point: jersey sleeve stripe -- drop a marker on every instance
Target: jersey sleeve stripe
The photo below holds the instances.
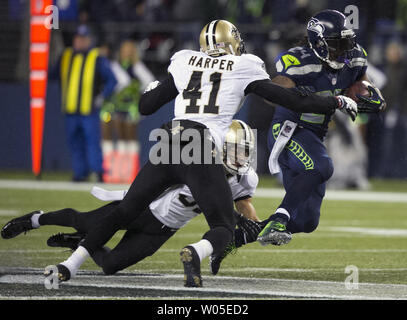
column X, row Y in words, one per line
column 304, row 70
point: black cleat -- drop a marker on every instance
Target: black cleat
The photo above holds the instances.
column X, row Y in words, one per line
column 192, row 267
column 65, row 240
column 215, row 260
column 18, row 225
column 63, row 273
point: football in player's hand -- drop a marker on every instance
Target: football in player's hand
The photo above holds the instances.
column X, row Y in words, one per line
column 358, row 88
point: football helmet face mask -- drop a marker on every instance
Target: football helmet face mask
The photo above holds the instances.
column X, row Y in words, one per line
column 238, row 148
column 220, row 37
column 330, row 38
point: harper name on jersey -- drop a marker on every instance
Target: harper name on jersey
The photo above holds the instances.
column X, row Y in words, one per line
column 212, row 63
column 211, row 89
column 301, row 65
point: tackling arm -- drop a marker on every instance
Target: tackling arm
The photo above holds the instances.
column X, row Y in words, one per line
column 246, row 208
column 154, row 99
column 291, row 98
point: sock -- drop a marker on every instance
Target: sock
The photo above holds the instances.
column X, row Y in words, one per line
column 76, row 259
column 203, row 248
column 34, row 220
column 282, row 214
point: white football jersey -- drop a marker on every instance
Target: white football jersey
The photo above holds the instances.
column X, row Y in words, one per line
column 211, row 89
column 176, row 207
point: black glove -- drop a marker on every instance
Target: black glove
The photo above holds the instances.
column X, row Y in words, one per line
column 247, row 231
column 373, row 104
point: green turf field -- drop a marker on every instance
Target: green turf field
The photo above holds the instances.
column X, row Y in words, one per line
column 369, row 234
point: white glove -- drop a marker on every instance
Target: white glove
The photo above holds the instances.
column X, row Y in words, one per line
column 347, row 106
column 152, row 85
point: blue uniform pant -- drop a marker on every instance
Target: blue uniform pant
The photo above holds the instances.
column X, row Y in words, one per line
column 305, row 166
column 83, row 134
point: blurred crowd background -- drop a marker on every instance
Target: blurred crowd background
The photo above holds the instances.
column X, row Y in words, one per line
column 158, row 28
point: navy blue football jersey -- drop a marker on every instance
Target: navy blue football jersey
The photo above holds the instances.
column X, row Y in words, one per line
column 302, row 66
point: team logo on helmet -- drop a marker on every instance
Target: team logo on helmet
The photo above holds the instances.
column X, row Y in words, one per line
column 235, row 33
column 316, row 26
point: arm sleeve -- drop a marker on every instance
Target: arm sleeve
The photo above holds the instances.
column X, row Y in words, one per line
column 292, row 99
column 153, row 100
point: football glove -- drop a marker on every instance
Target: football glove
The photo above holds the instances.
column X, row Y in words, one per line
column 373, row 104
column 347, row 106
column 247, row 231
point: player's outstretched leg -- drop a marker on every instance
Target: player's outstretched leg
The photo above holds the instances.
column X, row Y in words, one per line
column 19, row 225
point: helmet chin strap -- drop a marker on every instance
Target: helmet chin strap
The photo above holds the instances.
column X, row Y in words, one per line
column 334, row 64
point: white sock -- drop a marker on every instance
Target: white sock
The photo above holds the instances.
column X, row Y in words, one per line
column 283, row 211
column 203, row 248
column 34, row 220
column 76, row 259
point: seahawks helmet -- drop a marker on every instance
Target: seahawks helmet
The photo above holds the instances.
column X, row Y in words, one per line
column 330, row 38
column 221, row 37
column 238, row 148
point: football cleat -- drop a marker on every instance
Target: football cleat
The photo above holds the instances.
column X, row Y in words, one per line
column 274, row 233
column 65, row 240
column 18, row 225
column 63, row 273
column 192, row 267
column 215, row 260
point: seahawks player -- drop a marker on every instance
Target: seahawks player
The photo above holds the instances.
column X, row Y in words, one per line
column 329, row 62
column 208, row 87
column 164, row 216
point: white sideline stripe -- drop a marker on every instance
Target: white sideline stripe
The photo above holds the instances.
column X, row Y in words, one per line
column 241, row 250
column 5, row 297
column 8, row 212
column 76, row 282
column 57, row 185
column 339, row 195
column 370, row 231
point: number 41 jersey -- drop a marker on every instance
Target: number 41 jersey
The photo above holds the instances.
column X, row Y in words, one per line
column 211, row 89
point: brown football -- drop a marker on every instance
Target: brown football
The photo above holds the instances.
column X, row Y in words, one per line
column 360, row 88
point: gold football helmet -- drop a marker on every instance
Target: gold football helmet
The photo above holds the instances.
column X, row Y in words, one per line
column 221, row 37
column 238, row 148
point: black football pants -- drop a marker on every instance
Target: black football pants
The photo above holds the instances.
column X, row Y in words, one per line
column 208, row 185
column 144, row 236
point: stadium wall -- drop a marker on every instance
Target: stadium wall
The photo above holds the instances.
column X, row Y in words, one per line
column 15, row 129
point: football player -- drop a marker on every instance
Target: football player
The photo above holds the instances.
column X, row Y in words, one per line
column 328, row 63
column 208, row 87
column 164, row 216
